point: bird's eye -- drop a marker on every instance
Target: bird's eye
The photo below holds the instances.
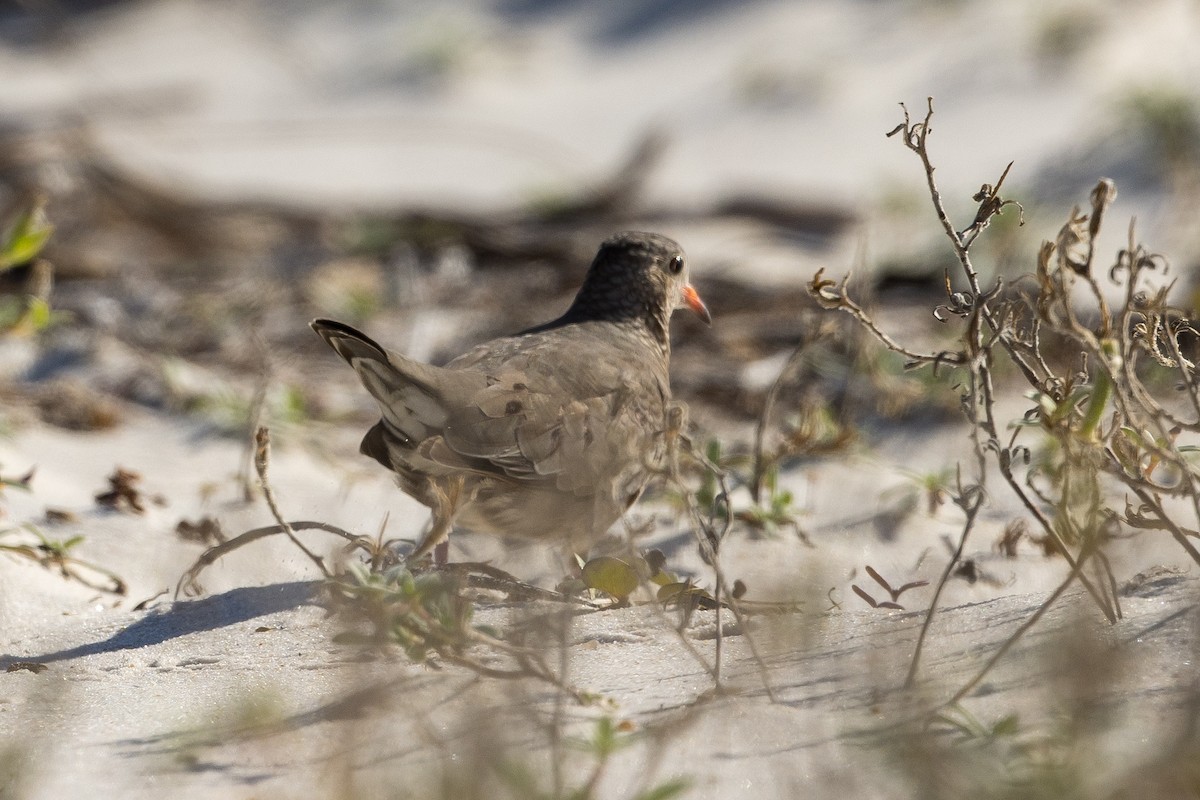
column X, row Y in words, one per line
column 676, row 265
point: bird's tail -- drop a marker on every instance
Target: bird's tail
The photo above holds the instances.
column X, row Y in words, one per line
column 349, row 343
column 407, row 391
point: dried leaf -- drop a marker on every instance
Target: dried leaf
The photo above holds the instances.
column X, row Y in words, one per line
column 29, row 666
column 123, row 493
column 871, row 601
column 206, row 530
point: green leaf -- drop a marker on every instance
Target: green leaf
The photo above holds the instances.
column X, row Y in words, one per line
column 605, row 739
column 25, row 238
column 1007, row 726
column 292, row 407
column 671, row 590
column 662, row 578
column 37, row 314
column 610, row 575
column 68, row 544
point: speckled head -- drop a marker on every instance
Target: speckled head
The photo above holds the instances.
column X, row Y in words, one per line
column 637, row 277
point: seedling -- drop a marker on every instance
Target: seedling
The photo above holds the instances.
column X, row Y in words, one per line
column 56, row 554
column 893, row 593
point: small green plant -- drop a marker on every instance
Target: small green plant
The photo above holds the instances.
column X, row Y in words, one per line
column 935, row 486
column 776, row 514
column 707, row 493
column 768, row 517
column 21, row 482
column 229, row 408
column 24, row 236
column 21, row 241
column 428, row 615
column 1106, row 426
column 57, row 554
column 1002, row 759
column 421, row 613
column 961, row 723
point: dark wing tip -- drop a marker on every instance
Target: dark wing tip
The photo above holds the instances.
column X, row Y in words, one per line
column 347, row 341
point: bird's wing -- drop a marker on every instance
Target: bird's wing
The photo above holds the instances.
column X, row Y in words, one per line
column 557, row 416
column 546, row 409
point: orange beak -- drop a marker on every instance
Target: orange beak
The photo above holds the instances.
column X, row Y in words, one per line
column 693, row 301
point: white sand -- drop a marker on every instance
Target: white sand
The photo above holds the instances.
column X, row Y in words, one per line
column 321, row 103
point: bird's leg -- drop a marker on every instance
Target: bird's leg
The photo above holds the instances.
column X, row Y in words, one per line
column 438, row 539
column 445, row 496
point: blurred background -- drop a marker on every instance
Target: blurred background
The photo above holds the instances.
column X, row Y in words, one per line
column 217, row 172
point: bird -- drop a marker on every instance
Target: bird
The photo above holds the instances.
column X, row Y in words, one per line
column 549, row 434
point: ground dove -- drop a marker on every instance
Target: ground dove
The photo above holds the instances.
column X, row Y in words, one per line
column 549, row 434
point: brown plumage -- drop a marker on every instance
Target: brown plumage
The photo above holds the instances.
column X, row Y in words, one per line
column 549, row 434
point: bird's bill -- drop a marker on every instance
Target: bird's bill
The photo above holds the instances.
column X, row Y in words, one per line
column 693, row 301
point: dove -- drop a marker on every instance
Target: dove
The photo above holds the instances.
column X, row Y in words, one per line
column 550, row 434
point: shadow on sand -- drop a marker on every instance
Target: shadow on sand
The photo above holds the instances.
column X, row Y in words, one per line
column 190, row 616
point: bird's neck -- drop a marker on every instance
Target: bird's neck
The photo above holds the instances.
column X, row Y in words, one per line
column 625, row 306
column 652, row 334
column 648, row 331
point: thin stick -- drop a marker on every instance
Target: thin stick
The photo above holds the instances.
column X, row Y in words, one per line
column 257, row 405
column 972, row 515
column 187, row 582
column 760, row 428
column 262, row 459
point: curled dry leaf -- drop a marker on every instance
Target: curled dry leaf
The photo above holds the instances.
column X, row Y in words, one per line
column 28, row 666
column 123, row 493
column 56, row 516
column 206, row 530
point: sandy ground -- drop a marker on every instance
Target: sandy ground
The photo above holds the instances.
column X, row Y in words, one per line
column 243, row 693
